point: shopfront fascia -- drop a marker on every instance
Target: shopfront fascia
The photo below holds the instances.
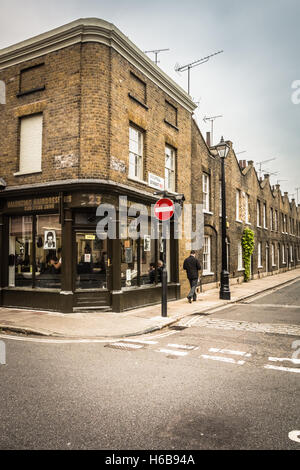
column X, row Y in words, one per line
column 52, row 259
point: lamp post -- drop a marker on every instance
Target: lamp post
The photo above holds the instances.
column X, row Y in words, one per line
column 222, row 148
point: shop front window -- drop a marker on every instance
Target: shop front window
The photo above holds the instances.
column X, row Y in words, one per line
column 20, row 252
column 91, row 261
column 48, row 257
column 35, row 251
column 141, row 260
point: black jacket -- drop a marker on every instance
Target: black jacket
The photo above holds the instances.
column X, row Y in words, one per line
column 192, row 266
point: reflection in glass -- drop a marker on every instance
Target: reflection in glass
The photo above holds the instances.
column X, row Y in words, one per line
column 91, row 261
column 20, row 252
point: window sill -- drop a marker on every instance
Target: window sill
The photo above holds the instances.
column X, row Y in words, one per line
column 207, row 212
column 241, row 269
column 171, row 125
column 207, row 274
column 137, row 180
column 248, row 223
column 259, row 267
column 28, row 92
column 21, row 173
column 133, row 98
column 239, row 221
column 258, row 226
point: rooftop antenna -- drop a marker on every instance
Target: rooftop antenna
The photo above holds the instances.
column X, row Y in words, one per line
column 211, row 119
column 243, row 151
column 262, row 162
column 297, row 189
column 156, row 52
column 183, row 68
column 278, row 181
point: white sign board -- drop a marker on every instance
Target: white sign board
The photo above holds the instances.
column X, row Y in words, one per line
column 155, row 181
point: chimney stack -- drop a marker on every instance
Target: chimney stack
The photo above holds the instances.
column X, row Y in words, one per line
column 208, row 139
column 250, row 162
column 242, row 164
column 266, row 175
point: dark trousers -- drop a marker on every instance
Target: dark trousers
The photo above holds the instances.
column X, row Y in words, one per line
column 192, row 293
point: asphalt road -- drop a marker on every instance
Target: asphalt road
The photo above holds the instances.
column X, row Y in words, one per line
column 229, row 380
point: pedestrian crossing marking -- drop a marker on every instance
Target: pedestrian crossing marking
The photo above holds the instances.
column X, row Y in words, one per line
column 230, row 351
column 223, row 359
column 282, row 359
column 286, row 369
column 183, row 346
column 172, row 352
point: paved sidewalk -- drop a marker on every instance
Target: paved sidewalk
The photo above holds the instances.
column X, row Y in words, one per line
column 131, row 323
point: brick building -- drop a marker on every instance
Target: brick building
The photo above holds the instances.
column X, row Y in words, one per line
column 87, row 117
column 250, row 202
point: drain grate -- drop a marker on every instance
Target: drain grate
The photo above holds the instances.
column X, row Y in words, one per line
column 124, row 346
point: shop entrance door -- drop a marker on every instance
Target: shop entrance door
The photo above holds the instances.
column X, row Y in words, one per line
column 91, row 271
column 91, row 261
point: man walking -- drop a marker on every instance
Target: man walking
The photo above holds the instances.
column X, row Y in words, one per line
column 192, row 266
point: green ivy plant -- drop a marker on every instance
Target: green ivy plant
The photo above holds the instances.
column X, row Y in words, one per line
column 248, row 247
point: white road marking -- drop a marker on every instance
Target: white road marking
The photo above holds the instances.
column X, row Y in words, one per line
column 294, row 436
column 223, row 359
column 286, row 369
column 230, row 351
column 174, row 353
column 182, row 346
column 142, row 341
column 282, row 359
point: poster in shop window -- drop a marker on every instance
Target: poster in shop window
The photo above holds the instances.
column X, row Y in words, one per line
column 49, row 240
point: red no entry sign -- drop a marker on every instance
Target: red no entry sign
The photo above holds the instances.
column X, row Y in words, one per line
column 164, row 209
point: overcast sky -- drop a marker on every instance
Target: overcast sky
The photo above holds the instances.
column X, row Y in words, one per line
column 250, row 83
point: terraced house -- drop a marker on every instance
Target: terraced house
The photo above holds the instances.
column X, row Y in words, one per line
column 87, row 117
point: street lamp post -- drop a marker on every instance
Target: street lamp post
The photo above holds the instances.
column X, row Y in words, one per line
column 222, row 149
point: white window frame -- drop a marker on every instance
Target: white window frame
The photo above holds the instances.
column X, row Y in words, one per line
column 271, row 218
column 136, row 158
column 283, row 254
column 275, row 221
column 170, row 163
column 258, row 213
column 206, row 192
column 237, row 205
column 265, row 215
column 240, row 266
column 207, row 256
column 291, row 254
column 31, row 143
column 273, row 254
column 259, row 258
